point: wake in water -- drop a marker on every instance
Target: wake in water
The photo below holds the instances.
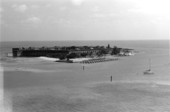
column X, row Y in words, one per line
column 24, row 64
column 26, row 60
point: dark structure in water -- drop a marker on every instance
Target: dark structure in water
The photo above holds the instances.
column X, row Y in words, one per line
column 67, row 52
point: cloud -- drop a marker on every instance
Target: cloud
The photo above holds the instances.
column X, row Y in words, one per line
column 33, row 20
column 151, row 7
column 20, row 8
column 1, row 9
column 77, row 2
column 35, row 6
column 99, row 15
column 135, row 10
column 105, row 15
column 48, row 5
column 63, row 8
column 96, row 9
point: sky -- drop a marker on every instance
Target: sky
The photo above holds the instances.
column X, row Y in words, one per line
column 52, row 20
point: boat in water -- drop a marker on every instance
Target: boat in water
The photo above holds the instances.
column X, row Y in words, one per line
column 149, row 71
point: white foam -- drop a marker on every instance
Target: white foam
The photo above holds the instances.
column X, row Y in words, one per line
column 79, row 59
column 49, row 59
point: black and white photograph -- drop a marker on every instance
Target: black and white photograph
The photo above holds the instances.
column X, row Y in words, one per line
column 84, row 56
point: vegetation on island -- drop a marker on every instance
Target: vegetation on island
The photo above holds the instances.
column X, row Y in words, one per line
column 70, row 52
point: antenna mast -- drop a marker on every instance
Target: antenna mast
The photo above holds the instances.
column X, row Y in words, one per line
column 149, row 64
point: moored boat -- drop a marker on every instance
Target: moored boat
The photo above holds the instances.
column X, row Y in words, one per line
column 149, row 71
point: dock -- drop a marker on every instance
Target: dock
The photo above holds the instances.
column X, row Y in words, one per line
column 91, row 61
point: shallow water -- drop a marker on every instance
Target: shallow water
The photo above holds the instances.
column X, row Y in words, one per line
column 38, row 85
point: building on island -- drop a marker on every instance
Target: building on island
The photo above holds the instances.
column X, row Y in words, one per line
column 70, row 51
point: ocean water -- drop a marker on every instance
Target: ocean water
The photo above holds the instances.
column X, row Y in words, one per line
column 38, row 85
column 160, row 44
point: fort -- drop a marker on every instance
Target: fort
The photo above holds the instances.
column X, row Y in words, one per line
column 70, row 52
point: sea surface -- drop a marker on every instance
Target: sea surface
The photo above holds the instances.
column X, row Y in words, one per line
column 40, row 85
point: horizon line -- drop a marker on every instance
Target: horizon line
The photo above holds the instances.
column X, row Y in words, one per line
column 86, row 40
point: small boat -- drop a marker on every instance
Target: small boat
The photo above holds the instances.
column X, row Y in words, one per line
column 149, row 71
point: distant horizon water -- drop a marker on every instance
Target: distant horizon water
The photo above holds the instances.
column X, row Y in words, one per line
column 88, row 40
column 6, row 47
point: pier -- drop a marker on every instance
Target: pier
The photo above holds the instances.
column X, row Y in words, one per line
column 91, row 61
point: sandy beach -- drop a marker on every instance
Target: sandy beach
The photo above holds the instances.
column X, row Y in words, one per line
column 38, row 85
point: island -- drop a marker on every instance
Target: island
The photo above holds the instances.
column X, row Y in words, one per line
column 66, row 53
